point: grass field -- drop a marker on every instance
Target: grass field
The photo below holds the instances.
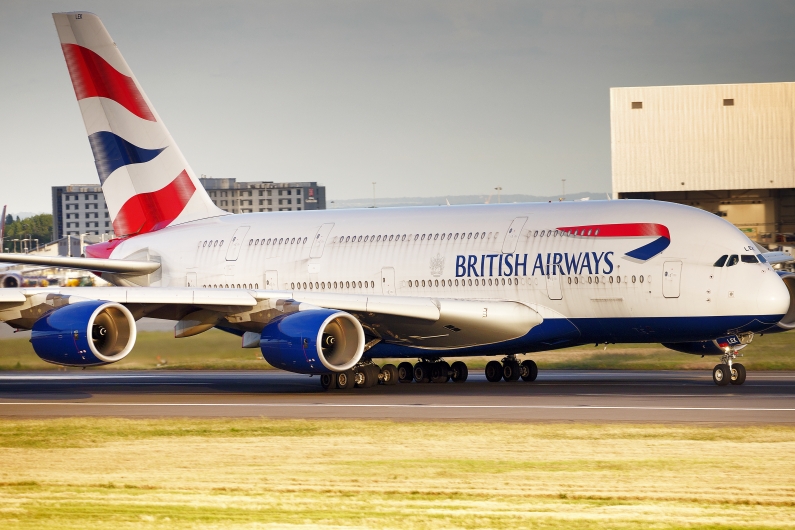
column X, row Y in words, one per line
column 221, row 351
column 255, row 473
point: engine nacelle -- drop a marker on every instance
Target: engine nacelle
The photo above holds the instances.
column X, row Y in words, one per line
column 317, row 341
column 788, row 322
column 10, row 280
column 85, row 334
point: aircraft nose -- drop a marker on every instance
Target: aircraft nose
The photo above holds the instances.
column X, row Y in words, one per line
column 773, row 296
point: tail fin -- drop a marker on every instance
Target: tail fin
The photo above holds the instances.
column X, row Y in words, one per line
column 147, row 183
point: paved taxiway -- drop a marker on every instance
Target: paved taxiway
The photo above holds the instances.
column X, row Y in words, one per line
column 678, row 397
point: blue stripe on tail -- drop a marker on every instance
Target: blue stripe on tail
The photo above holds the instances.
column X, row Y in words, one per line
column 112, row 152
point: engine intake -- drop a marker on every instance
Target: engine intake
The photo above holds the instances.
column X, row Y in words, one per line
column 788, row 322
column 85, row 334
column 317, row 341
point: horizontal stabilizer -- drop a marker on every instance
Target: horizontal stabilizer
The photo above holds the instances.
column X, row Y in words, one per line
column 117, row 266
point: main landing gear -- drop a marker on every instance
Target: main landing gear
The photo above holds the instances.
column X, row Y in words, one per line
column 727, row 371
column 511, row 370
column 368, row 374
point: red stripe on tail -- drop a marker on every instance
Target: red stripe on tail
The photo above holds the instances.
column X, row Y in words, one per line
column 147, row 212
column 92, row 76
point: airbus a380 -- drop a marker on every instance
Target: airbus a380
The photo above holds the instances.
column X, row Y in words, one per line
column 329, row 292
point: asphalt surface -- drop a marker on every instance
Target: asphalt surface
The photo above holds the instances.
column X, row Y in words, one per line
column 591, row 396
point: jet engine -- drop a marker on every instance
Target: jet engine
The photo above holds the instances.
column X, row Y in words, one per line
column 85, row 334
column 788, row 322
column 317, row 341
column 10, row 280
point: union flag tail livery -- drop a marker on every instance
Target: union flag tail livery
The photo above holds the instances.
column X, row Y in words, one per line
column 147, row 183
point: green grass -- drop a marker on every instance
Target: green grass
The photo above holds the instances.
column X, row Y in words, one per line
column 257, row 473
column 217, row 350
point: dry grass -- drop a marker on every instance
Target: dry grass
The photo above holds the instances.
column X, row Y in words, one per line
column 78, row 473
column 221, row 351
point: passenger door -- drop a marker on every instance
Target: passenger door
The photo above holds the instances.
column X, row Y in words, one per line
column 672, row 272
column 191, row 280
column 236, row 243
column 388, row 280
column 512, row 235
column 553, row 287
column 271, row 280
column 319, row 242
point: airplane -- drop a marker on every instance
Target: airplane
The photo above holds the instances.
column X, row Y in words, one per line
column 330, row 292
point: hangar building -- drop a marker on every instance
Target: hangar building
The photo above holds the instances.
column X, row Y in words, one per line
column 728, row 149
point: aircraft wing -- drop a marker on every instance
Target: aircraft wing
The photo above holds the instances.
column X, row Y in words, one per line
column 416, row 321
column 778, row 257
column 89, row 264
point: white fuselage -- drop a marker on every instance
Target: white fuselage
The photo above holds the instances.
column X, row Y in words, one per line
column 464, row 252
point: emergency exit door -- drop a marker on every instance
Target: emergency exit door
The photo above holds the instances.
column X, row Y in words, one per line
column 672, row 273
column 553, row 287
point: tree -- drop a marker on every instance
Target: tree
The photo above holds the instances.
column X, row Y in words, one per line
column 36, row 227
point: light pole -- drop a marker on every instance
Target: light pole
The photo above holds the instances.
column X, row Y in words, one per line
column 499, row 197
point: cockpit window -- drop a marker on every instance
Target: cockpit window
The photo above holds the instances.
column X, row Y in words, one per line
column 749, row 258
column 734, row 259
column 721, row 260
column 761, row 258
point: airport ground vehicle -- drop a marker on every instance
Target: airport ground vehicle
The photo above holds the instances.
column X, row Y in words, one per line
column 329, row 292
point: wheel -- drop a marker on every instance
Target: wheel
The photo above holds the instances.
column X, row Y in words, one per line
column 510, row 371
column 346, row 379
column 389, row 374
column 738, row 374
column 721, row 374
column 369, row 376
column 529, row 370
column 328, row 381
column 460, row 372
column 422, row 372
column 440, row 372
column 405, row 372
column 493, row 371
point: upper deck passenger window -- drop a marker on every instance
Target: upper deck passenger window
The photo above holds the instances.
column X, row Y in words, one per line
column 734, row 259
column 749, row 258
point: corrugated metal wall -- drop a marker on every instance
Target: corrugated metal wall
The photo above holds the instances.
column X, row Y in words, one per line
column 684, row 138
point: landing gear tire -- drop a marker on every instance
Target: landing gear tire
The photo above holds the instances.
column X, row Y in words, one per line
column 405, row 372
column 328, row 381
column 460, row 372
column 441, row 372
column 346, row 379
column 510, row 371
column 528, row 370
column 422, row 372
column 721, row 374
column 493, row 371
column 737, row 374
column 389, row 374
column 368, row 376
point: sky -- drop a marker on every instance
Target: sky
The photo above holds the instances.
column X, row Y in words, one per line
column 425, row 98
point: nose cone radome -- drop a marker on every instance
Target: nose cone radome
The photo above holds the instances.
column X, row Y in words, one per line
column 773, row 296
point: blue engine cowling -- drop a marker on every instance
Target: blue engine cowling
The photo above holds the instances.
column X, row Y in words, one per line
column 85, row 334
column 317, row 341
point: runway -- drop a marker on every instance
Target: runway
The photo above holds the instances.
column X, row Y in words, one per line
column 565, row 395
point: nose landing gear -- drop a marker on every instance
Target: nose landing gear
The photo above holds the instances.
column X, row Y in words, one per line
column 729, row 372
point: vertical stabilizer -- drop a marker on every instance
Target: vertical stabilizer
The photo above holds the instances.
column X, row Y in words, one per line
column 147, row 183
